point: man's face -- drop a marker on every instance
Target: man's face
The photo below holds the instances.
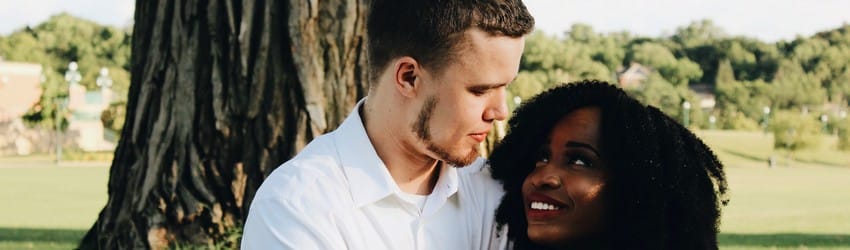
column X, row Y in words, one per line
column 460, row 104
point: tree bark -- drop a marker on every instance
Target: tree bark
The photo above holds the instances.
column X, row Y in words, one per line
column 222, row 92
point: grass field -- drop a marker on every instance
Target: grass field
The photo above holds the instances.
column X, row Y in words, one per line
column 803, row 203
column 47, row 207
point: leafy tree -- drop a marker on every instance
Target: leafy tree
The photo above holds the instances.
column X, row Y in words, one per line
column 659, row 93
column 56, row 42
column 698, row 33
column 677, row 71
column 793, row 87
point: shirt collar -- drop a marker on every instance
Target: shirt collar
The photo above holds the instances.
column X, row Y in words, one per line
column 446, row 186
column 368, row 177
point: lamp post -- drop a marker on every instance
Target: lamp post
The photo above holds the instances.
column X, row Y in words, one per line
column 686, row 108
column 72, row 76
column 103, row 80
column 766, row 118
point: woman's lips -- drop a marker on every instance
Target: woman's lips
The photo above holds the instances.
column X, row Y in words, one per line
column 541, row 207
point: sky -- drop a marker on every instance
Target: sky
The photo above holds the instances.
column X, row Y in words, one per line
column 768, row 20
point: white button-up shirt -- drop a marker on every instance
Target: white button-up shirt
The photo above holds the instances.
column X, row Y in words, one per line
column 338, row 194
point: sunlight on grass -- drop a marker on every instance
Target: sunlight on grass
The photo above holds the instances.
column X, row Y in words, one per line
column 802, row 204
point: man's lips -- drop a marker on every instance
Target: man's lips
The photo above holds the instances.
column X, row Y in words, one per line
column 480, row 136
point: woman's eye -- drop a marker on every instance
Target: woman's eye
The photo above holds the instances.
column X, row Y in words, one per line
column 542, row 158
column 578, row 161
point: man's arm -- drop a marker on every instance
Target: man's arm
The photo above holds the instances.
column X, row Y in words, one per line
column 277, row 224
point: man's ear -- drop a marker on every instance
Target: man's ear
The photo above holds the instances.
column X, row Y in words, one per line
column 407, row 71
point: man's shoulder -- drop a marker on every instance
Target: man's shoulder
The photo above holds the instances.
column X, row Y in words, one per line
column 476, row 179
column 478, row 173
column 314, row 172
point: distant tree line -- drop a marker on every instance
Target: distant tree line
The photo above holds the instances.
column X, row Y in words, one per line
column 800, row 80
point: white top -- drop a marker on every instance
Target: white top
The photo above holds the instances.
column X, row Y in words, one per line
column 337, row 194
column 414, row 199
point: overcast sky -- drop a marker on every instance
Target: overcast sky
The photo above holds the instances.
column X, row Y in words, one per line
column 768, row 20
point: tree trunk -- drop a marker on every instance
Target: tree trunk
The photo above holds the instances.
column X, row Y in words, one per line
column 222, row 92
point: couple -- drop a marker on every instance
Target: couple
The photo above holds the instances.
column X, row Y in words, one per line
column 583, row 165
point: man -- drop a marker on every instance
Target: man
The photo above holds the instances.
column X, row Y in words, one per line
column 392, row 176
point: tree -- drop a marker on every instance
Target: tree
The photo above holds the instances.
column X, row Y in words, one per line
column 730, row 93
column 679, row 72
column 56, row 42
column 221, row 93
column 793, row 87
column 698, row 33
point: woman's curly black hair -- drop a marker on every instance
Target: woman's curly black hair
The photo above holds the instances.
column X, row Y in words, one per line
column 664, row 188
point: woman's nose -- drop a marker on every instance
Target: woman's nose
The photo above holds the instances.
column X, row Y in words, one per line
column 542, row 178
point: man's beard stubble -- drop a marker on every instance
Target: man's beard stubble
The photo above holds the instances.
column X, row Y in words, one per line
column 423, row 131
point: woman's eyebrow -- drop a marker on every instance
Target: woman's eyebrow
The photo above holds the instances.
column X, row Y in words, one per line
column 575, row 144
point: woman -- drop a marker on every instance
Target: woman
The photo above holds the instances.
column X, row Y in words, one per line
column 585, row 166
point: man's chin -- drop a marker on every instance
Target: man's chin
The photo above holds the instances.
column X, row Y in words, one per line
column 463, row 161
column 457, row 159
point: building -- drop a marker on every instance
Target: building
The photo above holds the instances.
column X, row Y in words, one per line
column 705, row 92
column 633, row 76
column 20, row 88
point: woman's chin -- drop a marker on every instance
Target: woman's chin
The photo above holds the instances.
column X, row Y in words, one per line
column 546, row 235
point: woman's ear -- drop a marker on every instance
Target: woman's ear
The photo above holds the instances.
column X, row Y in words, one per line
column 406, row 70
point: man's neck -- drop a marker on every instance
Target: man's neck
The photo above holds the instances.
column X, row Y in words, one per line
column 413, row 171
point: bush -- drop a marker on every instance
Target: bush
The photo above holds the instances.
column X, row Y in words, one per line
column 843, row 135
column 794, row 131
column 732, row 119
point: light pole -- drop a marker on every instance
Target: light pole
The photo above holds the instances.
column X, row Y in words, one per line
column 72, row 76
column 686, row 108
column 766, row 118
column 103, row 80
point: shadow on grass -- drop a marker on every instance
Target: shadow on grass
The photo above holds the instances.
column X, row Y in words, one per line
column 763, row 159
column 745, row 156
column 784, row 240
column 63, row 236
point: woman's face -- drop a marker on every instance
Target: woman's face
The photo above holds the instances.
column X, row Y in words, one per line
column 563, row 194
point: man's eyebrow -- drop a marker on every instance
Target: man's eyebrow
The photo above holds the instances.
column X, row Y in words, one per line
column 487, row 86
column 575, row 144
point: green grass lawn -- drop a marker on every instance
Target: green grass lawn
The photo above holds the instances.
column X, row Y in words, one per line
column 48, row 207
column 800, row 204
